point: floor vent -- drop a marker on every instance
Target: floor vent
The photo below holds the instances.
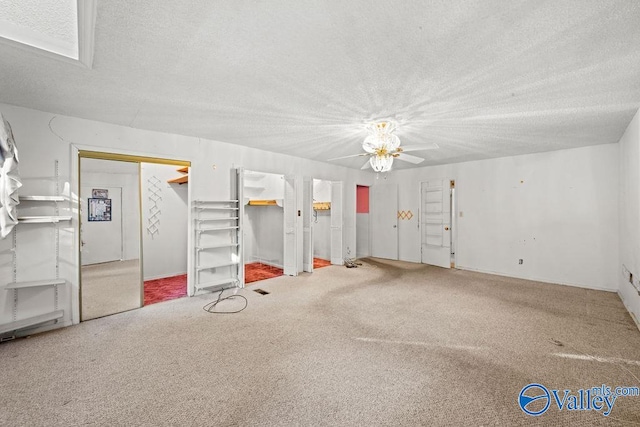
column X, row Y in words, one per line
column 261, row 291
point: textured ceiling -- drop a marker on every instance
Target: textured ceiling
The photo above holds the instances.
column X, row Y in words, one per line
column 479, row 78
column 47, row 24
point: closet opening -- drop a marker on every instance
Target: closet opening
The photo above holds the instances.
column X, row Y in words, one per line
column 133, row 232
column 263, row 226
column 321, row 223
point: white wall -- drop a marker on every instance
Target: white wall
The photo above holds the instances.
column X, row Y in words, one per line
column 164, row 252
column 265, row 226
column 630, row 216
column 263, row 186
column 558, row 211
column 321, row 225
column 362, row 235
column 42, row 137
column 321, row 190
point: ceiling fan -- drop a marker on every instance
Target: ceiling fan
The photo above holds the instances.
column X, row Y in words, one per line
column 382, row 146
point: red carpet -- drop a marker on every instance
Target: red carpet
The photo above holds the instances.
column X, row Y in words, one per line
column 257, row 271
column 165, row 289
column 319, row 262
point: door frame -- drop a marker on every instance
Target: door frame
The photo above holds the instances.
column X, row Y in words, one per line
column 453, row 226
column 79, row 152
column 373, row 210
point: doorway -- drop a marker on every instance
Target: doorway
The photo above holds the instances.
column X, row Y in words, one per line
column 437, row 203
column 263, row 225
column 118, row 224
column 384, row 220
column 321, row 223
column 363, row 247
column 110, row 237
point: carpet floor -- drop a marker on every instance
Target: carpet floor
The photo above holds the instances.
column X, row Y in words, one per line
column 388, row 343
column 319, row 263
column 257, row 271
column 165, row 289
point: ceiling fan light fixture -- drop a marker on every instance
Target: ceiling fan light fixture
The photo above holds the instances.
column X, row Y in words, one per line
column 381, row 137
column 381, row 163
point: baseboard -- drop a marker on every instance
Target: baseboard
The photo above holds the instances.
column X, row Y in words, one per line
column 40, row 329
column 633, row 316
column 537, row 279
column 164, row 276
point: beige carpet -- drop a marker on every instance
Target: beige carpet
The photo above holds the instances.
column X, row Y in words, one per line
column 389, row 343
column 110, row 287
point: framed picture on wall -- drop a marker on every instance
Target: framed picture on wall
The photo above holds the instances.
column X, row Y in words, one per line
column 99, row 209
column 99, row 193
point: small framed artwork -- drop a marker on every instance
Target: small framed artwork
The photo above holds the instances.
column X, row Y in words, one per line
column 99, row 193
column 99, row 209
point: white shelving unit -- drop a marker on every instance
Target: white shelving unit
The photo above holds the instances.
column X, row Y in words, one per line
column 23, row 288
column 218, row 244
column 42, row 219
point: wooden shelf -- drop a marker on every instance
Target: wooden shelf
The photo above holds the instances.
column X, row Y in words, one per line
column 184, row 179
column 31, row 321
column 322, row 206
column 263, row 203
column 35, row 283
column 179, row 180
column 42, row 199
column 42, row 219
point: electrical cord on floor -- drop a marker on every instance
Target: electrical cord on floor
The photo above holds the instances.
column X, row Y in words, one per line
column 210, row 307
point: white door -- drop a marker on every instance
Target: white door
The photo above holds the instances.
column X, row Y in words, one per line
column 290, row 225
column 435, row 222
column 384, row 221
column 307, row 230
column 100, row 230
column 336, row 223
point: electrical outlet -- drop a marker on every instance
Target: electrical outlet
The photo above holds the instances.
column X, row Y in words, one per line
column 520, row 261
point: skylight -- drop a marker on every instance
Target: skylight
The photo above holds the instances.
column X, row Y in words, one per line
column 61, row 27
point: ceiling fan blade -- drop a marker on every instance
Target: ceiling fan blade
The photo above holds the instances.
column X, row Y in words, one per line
column 419, row 147
column 409, row 158
column 348, row 157
column 366, row 165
